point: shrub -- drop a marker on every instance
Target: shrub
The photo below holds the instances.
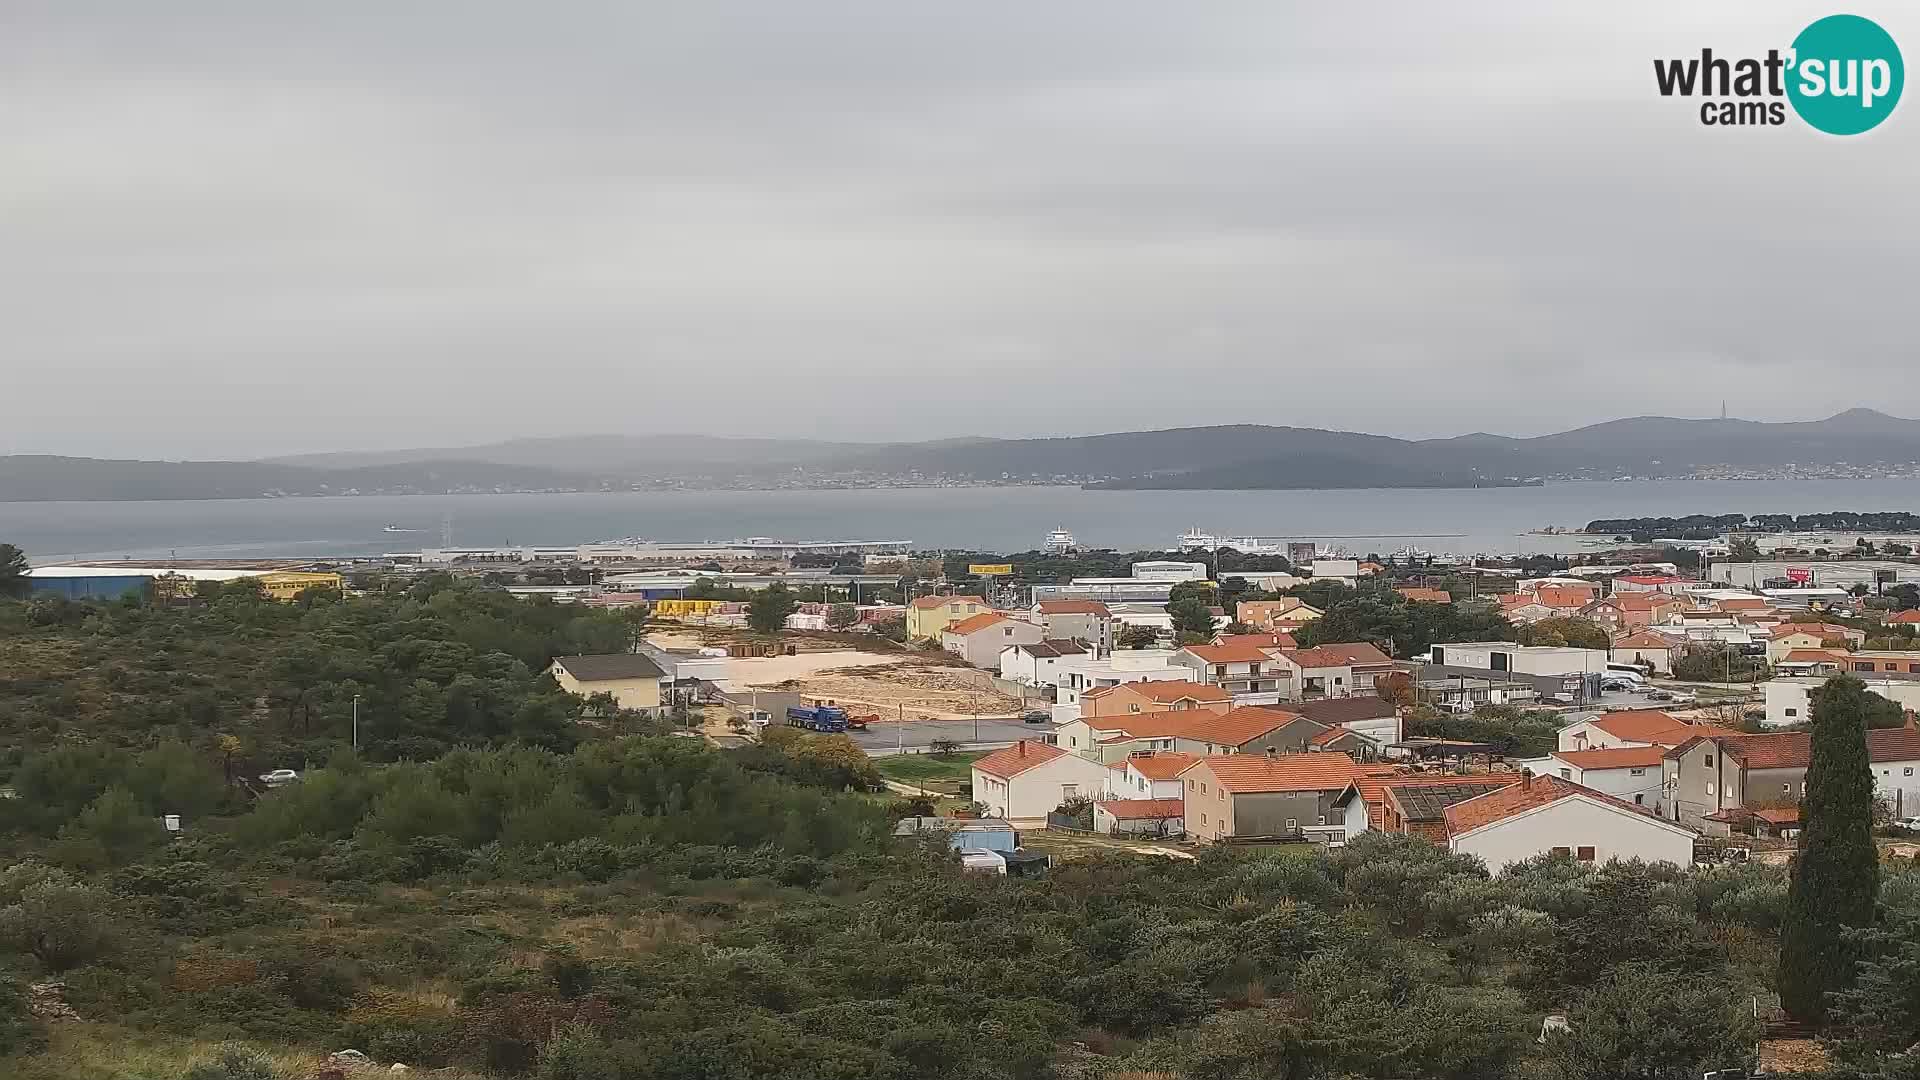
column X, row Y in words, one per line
column 62, row 924
column 233, row 1063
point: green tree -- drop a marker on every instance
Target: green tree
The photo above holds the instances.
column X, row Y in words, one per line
column 841, row 616
column 1837, row 873
column 13, row 571
column 1641, row 1021
column 1136, row 637
column 1192, row 620
column 1743, row 549
column 1570, row 630
column 62, row 923
column 768, row 610
column 113, row 831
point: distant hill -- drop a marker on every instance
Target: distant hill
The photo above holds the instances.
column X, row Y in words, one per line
column 1239, row 456
column 41, row 478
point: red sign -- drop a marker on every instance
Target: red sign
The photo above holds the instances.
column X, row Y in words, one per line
column 1801, row 574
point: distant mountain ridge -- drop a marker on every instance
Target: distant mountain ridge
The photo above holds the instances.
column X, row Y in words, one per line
column 1237, row 456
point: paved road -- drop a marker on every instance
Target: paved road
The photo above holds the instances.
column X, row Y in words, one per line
column 916, row 735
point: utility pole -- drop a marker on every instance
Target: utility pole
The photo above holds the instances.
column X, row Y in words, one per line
column 356, row 723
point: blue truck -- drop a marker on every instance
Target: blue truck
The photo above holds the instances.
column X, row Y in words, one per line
column 829, row 718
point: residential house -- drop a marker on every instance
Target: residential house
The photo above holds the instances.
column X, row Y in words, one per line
column 1366, row 803
column 979, row 639
column 1631, row 773
column 1752, row 772
column 1644, row 648
column 1156, row 818
column 1152, row 696
column 1789, row 698
column 1522, row 608
column 1077, row 675
column 1565, row 599
column 1038, row 663
column 1243, row 796
column 1666, row 583
column 1548, row 815
column 1371, row 717
column 1241, row 670
column 1147, row 774
column 1788, row 637
column 632, row 679
column 1272, row 614
column 1523, row 659
column 1030, row 779
column 1624, row 611
column 1362, row 660
column 1894, row 754
column 1265, row 640
column 1910, row 617
column 1192, row 731
column 1425, row 596
column 1086, row 621
column 1633, row 727
column 1811, row 662
column 929, row 616
column 1885, row 661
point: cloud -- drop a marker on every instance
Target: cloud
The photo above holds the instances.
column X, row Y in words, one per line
column 249, row 229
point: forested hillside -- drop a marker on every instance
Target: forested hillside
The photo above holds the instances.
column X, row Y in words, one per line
column 500, row 886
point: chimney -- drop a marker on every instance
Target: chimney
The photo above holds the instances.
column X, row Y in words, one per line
column 1270, row 752
column 1023, row 748
column 1526, row 778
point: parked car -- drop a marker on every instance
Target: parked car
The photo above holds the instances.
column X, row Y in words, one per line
column 279, row 776
column 1037, row 716
column 1910, row 823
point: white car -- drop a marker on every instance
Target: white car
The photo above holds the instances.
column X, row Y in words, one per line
column 279, row 776
column 1909, row 823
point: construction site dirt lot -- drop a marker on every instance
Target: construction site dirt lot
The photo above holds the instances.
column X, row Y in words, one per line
column 672, row 635
column 905, row 687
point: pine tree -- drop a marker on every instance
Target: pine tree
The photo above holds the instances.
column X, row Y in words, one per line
column 1837, row 874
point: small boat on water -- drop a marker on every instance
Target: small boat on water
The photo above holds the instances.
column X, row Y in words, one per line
column 398, row 529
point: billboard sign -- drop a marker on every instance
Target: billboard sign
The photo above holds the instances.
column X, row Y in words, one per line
column 1799, row 574
column 990, row 569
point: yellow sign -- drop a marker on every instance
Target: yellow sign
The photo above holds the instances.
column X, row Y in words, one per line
column 999, row 569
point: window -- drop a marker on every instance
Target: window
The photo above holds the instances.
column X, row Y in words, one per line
column 1566, row 774
column 1190, row 784
column 1133, row 708
column 1203, row 819
column 1586, row 854
column 1639, row 800
column 1203, row 788
column 1709, row 787
column 1709, row 761
column 1069, row 791
column 1292, row 824
column 1793, row 712
column 1322, row 820
column 1908, row 771
column 1636, row 772
column 1786, row 789
column 1563, row 851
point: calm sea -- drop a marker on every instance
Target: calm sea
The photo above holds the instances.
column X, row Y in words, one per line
column 992, row 519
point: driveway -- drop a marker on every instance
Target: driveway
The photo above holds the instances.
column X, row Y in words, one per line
column 916, row 736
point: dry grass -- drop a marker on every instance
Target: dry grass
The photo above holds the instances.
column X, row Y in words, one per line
column 109, row 1052
column 599, row 936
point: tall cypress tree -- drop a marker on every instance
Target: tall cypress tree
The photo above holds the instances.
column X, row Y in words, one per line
column 1837, row 874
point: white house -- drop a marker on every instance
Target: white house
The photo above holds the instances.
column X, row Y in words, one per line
column 1075, row 675
column 1242, row 670
column 1789, row 698
column 1154, row 774
column 1644, row 647
column 1029, row 779
column 978, row 640
column 1629, row 773
column 1546, row 814
column 1633, row 727
column 1087, row 621
column 1525, row 659
column 1345, row 571
column 1037, row 664
column 1895, row 757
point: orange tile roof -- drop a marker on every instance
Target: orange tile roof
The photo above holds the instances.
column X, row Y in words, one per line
column 1894, row 744
column 1822, row 631
column 1813, row 656
column 1425, row 596
column 1355, row 652
column 1372, row 786
column 1243, row 774
column 1741, row 603
column 1158, row 764
column 976, row 623
column 1773, row 750
column 1778, row 815
column 1072, row 607
column 1229, row 654
column 1011, row 761
column 1172, row 690
column 1905, row 617
column 1654, row 726
column 1262, row 641
column 1564, row 596
column 1138, row 809
column 927, row 603
column 1332, row 735
column 1624, row 757
column 1530, row 794
column 1237, row 727
column 1641, row 601
column 1643, row 639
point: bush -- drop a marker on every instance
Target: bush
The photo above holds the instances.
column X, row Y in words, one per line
column 233, row 1063
column 62, row 924
column 18, row 1031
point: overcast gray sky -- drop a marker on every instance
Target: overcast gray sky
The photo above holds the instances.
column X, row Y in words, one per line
column 252, row 228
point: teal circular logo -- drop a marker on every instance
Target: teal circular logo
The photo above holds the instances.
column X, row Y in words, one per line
column 1847, row 75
